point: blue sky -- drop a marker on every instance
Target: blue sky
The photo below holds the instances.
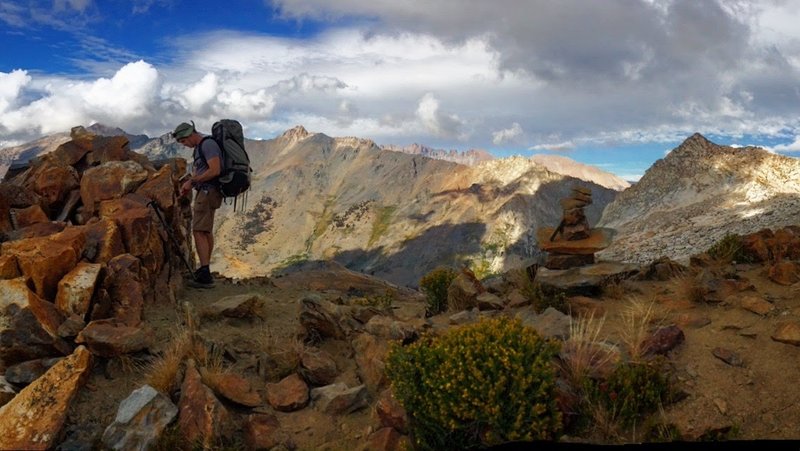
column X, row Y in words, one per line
column 616, row 83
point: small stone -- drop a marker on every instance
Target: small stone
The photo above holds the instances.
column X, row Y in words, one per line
column 722, row 406
column 728, row 356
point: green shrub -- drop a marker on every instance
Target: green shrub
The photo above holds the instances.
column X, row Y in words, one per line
column 382, row 301
column 478, row 385
column 434, row 285
column 730, row 249
column 543, row 298
column 632, row 391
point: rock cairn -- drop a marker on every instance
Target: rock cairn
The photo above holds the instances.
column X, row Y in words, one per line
column 573, row 242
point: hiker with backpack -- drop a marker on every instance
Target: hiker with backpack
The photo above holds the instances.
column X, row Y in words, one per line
column 206, row 168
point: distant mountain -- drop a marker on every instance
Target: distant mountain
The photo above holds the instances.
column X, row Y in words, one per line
column 21, row 154
column 392, row 214
column 568, row 166
column 469, row 157
column 699, row 192
column 387, row 213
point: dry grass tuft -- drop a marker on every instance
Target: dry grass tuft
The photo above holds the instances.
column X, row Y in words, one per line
column 639, row 318
column 285, row 353
column 130, row 364
column 584, row 352
column 162, row 373
column 213, row 368
column 605, row 423
column 5, row 323
column 689, row 287
column 614, row 290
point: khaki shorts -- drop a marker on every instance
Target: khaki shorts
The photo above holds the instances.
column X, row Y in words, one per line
column 206, row 203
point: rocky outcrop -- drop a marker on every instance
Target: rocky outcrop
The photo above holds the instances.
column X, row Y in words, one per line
column 696, row 195
column 81, row 252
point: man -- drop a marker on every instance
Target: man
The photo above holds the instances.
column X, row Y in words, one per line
column 205, row 170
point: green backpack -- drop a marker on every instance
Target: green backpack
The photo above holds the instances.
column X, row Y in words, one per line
column 235, row 170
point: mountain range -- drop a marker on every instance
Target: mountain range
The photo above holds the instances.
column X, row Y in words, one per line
column 397, row 213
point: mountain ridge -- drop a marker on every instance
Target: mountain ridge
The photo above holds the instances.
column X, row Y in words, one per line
column 696, row 194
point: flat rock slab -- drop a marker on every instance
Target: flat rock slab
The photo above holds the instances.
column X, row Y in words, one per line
column 599, row 239
column 585, row 280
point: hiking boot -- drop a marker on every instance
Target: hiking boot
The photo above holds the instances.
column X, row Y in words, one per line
column 202, row 279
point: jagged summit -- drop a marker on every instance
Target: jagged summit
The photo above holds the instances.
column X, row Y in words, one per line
column 296, row 133
column 698, row 192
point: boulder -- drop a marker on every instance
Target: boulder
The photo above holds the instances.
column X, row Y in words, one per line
column 202, row 418
column 141, row 419
column 110, row 180
column 109, row 338
column 76, row 288
column 338, row 399
column 24, row 217
column 240, row 306
column 35, row 417
column 318, row 367
column 288, row 395
column 26, row 372
column 262, row 431
column 788, row 333
column 44, row 261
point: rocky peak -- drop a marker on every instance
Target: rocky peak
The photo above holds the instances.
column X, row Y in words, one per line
column 297, row 133
column 698, row 192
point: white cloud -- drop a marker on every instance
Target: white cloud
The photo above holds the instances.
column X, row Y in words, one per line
column 507, row 74
column 245, row 105
column 10, row 86
column 12, row 14
column 128, row 94
column 436, row 122
column 77, row 5
column 507, row 135
column 199, row 94
column 789, row 148
column 564, row 146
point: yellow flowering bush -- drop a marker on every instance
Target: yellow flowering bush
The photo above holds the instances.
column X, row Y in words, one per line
column 434, row 285
column 479, row 385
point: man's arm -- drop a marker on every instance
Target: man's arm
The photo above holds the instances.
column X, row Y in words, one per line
column 214, row 168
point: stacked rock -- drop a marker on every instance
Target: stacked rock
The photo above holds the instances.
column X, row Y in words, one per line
column 574, row 225
column 573, row 243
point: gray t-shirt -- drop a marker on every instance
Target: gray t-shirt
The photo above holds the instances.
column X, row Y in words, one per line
column 209, row 149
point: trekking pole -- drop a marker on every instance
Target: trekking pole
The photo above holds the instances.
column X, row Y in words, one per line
column 172, row 238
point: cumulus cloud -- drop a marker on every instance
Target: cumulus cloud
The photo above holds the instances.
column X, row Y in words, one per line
column 506, row 135
column 245, row 105
column 128, row 94
column 507, row 74
column 601, row 67
column 792, row 147
column 434, row 120
column 199, row 94
column 10, row 86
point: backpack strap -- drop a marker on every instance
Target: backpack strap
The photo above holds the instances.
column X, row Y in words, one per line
column 197, row 153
